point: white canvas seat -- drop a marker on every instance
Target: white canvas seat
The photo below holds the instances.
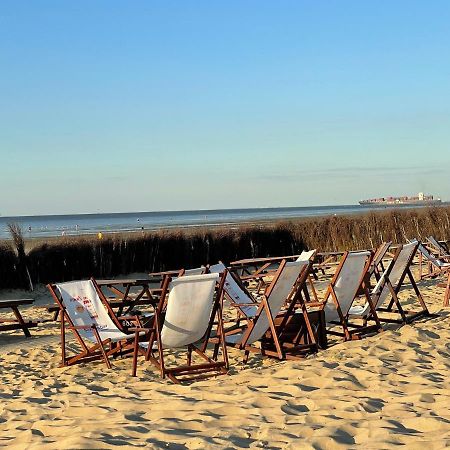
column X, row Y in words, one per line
column 235, row 293
column 392, row 278
column 347, row 285
column 438, row 247
column 85, row 309
column 363, row 311
column 188, row 311
column 306, row 255
column 191, row 309
column 196, row 271
column 271, row 306
column 436, row 264
column 380, row 293
column 350, row 280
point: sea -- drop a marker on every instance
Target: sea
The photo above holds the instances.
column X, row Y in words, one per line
column 81, row 224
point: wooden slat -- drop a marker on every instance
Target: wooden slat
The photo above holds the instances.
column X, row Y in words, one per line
column 15, row 302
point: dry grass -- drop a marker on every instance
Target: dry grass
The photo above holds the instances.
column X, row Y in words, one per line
column 69, row 258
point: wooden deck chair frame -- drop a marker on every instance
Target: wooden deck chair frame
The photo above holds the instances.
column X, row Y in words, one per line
column 189, row 371
column 406, row 316
column 435, row 265
column 377, row 267
column 439, row 248
column 240, row 307
column 298, row 299
column 102, row 349
column 272, row 343
column 447, row 292
column 264, row 271
column 351, row 330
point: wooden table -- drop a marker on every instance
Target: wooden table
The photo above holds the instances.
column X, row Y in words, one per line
column 251, row 266
column 128, row 293
column 19, row 323
column 258, row 264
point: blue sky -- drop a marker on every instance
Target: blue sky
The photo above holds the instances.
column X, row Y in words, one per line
column 164, row 105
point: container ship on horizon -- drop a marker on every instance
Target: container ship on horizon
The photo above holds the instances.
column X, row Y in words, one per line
column 420, row 200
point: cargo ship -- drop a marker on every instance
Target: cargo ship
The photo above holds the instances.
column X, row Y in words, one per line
column 420, row 200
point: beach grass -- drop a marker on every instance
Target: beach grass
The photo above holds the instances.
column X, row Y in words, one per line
column 68, row 258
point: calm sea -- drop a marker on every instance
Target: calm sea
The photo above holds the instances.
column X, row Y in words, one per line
column 42, row 226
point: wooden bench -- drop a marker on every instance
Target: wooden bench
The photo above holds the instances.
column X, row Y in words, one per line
column 18, row 323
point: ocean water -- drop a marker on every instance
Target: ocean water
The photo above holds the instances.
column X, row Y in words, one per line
column 75, row 224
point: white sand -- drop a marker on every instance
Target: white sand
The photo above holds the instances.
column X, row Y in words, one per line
column 392, row 388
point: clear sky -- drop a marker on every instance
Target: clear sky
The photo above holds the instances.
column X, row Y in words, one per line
column 112, row 106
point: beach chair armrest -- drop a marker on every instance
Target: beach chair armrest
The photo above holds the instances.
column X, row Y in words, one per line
column 128, row 318
column 81, row 327
column 140, row 329
column 238, row 305
column 315, row 304
column 256, row 276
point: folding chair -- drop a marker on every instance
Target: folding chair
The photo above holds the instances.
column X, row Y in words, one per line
column 350, row 279
column 440, row 248
column 436, row 265
column 377, row 267
column 85, row 312
column 194, row 304
column 388, row 287
column 285, row 289
column 235, row 292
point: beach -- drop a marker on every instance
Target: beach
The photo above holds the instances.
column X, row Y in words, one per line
column 208, row 213
column 384, row 390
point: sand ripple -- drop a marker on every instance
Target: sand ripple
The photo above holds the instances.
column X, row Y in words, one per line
column 386, row 390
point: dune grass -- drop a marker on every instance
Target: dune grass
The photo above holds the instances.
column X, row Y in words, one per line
column 69, row 258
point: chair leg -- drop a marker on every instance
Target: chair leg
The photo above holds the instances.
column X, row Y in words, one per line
column 189, row 355
column 135, row 354
column 447, row 293
column 63, row 340
column 417, row 292
column 102, row 348
column 216, row 351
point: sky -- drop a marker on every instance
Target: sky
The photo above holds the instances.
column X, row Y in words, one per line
column 117, row 106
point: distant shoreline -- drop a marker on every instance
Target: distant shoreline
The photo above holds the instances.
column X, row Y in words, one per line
column 237, row 226
column 50, row 227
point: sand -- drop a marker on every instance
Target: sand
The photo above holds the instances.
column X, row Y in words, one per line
column 389, row 389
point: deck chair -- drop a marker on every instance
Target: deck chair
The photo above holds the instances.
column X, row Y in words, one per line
column 267, row 267
column 85, row 312
column 350, row 279
column 285, row 288
column 194, row 304
column 377, row 267
column 436, row 265
column 389, row 286
column 235, row 292
column 264, row 273
column 309, row 256
column 440, row 247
